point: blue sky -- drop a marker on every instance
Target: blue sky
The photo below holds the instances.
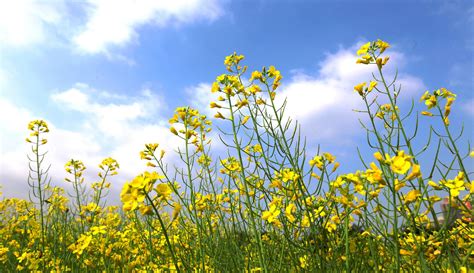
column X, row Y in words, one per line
column 107, row 75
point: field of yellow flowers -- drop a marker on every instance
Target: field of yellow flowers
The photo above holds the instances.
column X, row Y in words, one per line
column 268, row 206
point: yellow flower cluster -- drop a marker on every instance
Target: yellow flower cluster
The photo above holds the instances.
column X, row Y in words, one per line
column 37, row 127
column 194, row 126
column 371, row 51
column 134, row 192
column 432, row 100
column 259, row 208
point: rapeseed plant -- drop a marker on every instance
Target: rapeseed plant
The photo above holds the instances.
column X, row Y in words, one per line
column 267, row 206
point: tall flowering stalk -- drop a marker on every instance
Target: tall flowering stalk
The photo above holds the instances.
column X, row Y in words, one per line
column 265, row 204
column 38, row 178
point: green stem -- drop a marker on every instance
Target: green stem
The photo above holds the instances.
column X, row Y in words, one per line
column 165, row 233
column 247, row 197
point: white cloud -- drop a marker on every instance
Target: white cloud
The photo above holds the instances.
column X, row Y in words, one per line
column 14, row 150
column 3, row 80
column 93, row 26
column 26, row 22
column 114, row 23
column 121, row 125
column 109, row 117
column 113, row 125
column 200, row 96
column 323, row 102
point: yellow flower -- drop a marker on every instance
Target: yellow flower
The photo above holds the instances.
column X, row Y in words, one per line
column 164, row 190
column 257, row 148
column 256, row 75
column 447, row 107
column 405, row 252
column 338, row 182
column 374, row 174
column 425, row 96
column 109, row 165
column 134, row 192
column 303, row 261
column 214, row 105
column 366, row 59
column 317, row 161
column 411, row 196
column 415, row 172
column 360, row 88
column 371, row 86
column 379, row 62
column 330, row 226
column 434, row 185
column 215, row 87
column 272, row 72
column 431, row 101
column 287, row 175
column 382, row 45
column 399, row 184
column 363, row 49
column 456, row 185
column 426, row 113
column 400, row 163
column 176, row 211
column 219, row 115
column 242, row 103
column 446, row 121
column 145, row 210
column 271, row 215
column 254, row 89
column 329, row 157
column 81, row 244
column 173, row 130
column 245, row 119
column 38, row 125
column 290, row 209
column 378, row 156
column 231, row 60
column 99, row 230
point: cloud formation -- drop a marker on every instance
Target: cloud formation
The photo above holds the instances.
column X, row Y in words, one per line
column 110, row 124
column 94, row 26
column 115, row 23
column 113, row 125
column 28, row 22
column 324, row 101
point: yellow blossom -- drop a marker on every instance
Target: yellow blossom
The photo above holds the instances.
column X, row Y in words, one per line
column 371, row 86
column 245, row 119
column 400, row 163
column 164, row 190
column 271, row 215
column 411, row 196
column 363, row 49
column 455, row 185
column 303, row 261
column 290, row 209
column 360, row 88
column 219, row 115
column 399, row 184
column 382, row 45
column 415, row 172
column 426, row 113
column 256, row 75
